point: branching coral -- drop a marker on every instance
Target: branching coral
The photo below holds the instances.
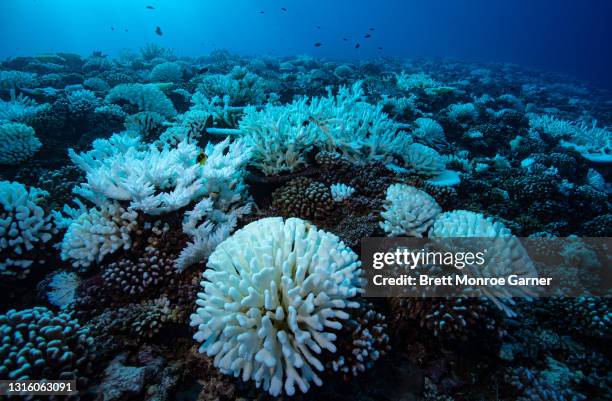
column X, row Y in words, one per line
column 274, row 294
column 126, row 176
column 20, row 109
column 282, row 135
column 408, row 211
column 18, row 142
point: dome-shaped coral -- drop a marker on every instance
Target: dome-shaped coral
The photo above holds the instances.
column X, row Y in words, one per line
column 23, row 225
column 275, row 294
column 424, row 160
column 408, row 211
column 463, row 223
column 17, row 143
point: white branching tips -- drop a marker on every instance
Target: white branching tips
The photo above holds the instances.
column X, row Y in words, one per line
column 275, row 294
column 408, row 211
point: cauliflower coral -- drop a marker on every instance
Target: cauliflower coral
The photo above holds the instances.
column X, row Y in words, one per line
column 408, row 211
column 275, row 295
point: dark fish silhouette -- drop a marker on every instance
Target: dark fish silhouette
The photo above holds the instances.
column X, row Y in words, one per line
column 203, row 70
column 367, row 35
column 125, row 29
column 371, row 29
column 345, row 39
column 283, row 8
column 150, row 7
column 158, row 31
column 261, row 12
column 357, row 46
column 318, row 44
column 379, row 48
column 318, row 27
column 112, row 28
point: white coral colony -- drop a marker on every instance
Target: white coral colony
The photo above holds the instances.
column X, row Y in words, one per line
column 274, row 294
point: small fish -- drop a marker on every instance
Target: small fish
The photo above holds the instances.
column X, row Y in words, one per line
column 372, row 29
column 345, row 39
column 158, row 31
column 202, row 158
column 357, row 46
column 380, row 48
column 318, row 44
column 262, row 12
column 203, row 70
column 367, row 35
column 112, row 28
column 150, row 7
column 125, row 29
column 318, row 27
column 283, row 8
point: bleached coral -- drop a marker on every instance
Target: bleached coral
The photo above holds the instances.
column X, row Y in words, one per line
column 341, row 192
column 275, row 294
column 429, row 132
column 424, row 160
column 408, row 211
column 97, row 232
column 463, row 112
column 152, row 180
column 463, row 223
column 166, row 72
column 282, row 135
column 410, row 82
column 147, row 97
column 20, row 108
column 125, row 176
column 23, row 225
column 16, row 79
column 506, row 255
column 242, row 86
column 592, row 142
column 18, row 142
column 62, row 289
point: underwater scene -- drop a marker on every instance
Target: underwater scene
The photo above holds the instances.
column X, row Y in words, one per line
column 187, row 188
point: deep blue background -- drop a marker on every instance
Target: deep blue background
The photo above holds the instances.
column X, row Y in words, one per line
column 570, row 36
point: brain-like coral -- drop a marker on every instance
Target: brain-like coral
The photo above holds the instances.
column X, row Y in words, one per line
column 305, row 198
column 40, row 344
column 18, row 142
column 408, row 211
column 24, row 226
column 275, row 294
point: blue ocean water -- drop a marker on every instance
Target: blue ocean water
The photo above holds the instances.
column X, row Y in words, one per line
column 566, row 36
